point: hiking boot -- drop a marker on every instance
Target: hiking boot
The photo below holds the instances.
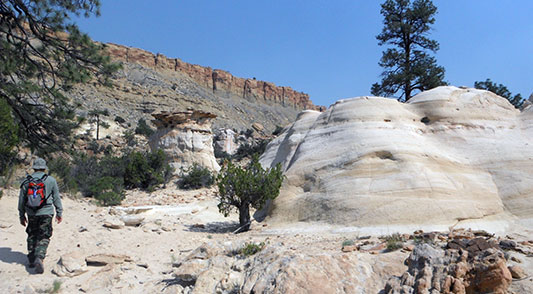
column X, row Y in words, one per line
column 39, row 266
column 31, row 265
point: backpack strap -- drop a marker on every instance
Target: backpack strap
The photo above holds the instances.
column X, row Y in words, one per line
column 26, row 181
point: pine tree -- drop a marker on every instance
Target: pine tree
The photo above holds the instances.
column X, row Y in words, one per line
column 241, row 188
column 408, row 66
column 42, row 55
column 8, row 136
column 501, row 90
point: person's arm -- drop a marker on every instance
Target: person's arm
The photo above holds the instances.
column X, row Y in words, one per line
column 57, row 202
column 21, row 207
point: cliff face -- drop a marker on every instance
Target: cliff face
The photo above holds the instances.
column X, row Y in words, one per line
column 220, row 81
column 149, row 83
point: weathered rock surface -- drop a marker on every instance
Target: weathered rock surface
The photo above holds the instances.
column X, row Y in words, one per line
column 225, row 142
column 218, row 268
column 70, row 265
column 433, row 270
column 186, row 138
column 448, row 156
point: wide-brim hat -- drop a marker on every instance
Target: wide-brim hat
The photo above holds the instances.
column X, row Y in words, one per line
column 39, row 163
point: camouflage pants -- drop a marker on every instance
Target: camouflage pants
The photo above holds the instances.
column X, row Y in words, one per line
column 39, row 231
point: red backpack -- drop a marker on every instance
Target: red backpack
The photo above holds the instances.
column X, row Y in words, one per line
column 35, row 192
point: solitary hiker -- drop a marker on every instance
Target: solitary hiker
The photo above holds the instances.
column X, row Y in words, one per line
column 38, row 196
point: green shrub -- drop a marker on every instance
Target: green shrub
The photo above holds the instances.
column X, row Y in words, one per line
column 347, row 243
column 108, row 190
column 394, row 242
column 105, row 178
column 249, row 150
column 146, row 170
column 196, row 177
column 8, row 137
column 61, row 168
column 55, row 287
column 250, row 249
column 119, row 119
column 129, row 137
column 143, row 128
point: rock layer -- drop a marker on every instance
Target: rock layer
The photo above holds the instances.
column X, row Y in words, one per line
column 449, row 155
column 215, row 79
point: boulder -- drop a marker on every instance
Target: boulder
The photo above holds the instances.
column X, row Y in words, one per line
column 517, row 272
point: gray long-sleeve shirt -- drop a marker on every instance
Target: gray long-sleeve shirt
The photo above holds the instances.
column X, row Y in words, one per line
column 53, row 200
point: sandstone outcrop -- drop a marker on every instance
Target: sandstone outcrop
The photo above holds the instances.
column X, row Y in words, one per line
column 220, row 268
column 215, row 79
column 450, row 156
column 186, row 138
column 433, row 270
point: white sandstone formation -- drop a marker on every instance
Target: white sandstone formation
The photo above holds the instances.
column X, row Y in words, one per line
column 225, row 141
column 186, row 137
column 450, row 156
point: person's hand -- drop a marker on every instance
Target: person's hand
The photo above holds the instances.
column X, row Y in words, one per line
column 59, row 219
column 23, row 221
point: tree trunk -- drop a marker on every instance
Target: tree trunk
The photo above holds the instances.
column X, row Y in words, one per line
column 97, row 127
column 244, row 218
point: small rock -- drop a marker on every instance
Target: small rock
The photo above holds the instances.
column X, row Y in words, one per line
column 132, row 220
column 190, row 270
column 70, row 265
column 198, row 226
column 112, row 226
column 29, row 290
column 143, row 265
column 517, row 272
column 114, row 211
column 409, row 247
column 194, row 211
column 105, row 259
column 258, row 127
column 507, row 244
column 515, row 259
column 82, row 229
column 349, row 248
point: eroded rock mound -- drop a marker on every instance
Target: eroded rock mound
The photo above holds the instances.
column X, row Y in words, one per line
column 449, row 155
column 186, row 137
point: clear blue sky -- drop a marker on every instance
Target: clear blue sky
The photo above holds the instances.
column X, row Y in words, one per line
column 324, row 48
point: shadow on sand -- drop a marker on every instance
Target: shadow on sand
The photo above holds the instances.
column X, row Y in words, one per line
column 214, row 227
column 9, row 256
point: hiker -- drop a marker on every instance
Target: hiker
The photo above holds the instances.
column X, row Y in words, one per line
column 38, row 196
